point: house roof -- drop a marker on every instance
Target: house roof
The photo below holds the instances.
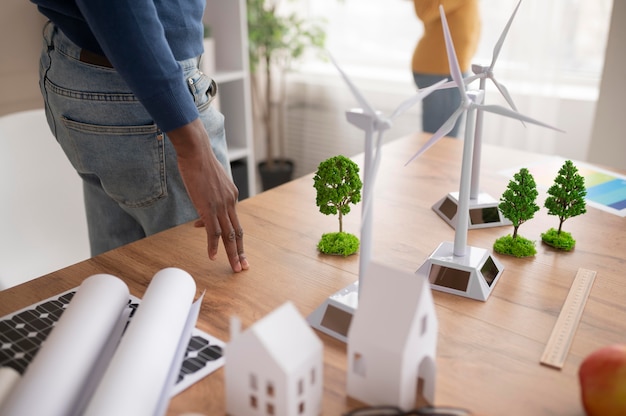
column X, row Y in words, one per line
column 286, row 336
column 389, row 300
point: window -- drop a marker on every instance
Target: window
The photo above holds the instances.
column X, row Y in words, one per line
column 380, row 36
column 551, row 63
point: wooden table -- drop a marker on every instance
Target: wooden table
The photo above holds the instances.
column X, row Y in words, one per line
column 488, row 352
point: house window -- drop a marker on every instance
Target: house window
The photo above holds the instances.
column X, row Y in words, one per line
column 300, row 387
column 269, row 409
column 358, row 364
column 253, row 402
column 301, row 408
column 313, row 375
column 269, row 390
column 253, row 383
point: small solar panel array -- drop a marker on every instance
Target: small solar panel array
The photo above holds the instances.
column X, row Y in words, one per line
column 22, row 334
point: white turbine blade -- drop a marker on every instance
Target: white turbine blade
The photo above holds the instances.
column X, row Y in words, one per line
column 455, row 71
column 441, row 132
column 355, row 91
column 504, row 92
column 472, row 78
column 496, row 49
column 513, row 114
column 448, row 84
column 421, row 94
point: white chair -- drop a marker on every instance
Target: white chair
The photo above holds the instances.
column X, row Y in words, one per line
column 42, row 217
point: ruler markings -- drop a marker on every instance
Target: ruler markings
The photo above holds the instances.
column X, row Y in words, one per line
column 562, row 335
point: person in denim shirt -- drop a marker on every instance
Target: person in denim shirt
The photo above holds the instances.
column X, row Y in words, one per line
column 126, row 101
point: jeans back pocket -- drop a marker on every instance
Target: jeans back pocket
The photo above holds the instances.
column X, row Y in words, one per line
column 128, row 160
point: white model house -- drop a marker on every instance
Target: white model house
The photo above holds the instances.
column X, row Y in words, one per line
column 274, row 367
column 392, row 339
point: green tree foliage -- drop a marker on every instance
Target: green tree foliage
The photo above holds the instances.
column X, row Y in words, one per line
column 518, row 201
column 338, row 185
column 567, row 195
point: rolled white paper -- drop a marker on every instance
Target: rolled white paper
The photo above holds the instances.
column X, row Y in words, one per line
column 179, row 357
column 135, row 379
column 8, row 379
column 57, row 378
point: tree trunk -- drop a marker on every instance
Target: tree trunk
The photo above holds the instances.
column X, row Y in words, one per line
column 281, row 117
column 515, row 232
column 267, row 115
column 340, row 222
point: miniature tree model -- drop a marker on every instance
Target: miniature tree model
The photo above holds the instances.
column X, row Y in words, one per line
column 338, row 185
column 517, row 204
column 566, row 199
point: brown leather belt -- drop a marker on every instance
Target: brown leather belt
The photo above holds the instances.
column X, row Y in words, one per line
column 92, row 58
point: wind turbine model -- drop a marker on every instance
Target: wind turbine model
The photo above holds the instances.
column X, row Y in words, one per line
column 483, row 208
column 458, row 268
column 334, row 315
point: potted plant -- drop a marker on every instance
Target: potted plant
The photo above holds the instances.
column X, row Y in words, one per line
column 276, row 41
column 207, row 63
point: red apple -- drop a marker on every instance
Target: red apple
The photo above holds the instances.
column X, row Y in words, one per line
column 602, row 377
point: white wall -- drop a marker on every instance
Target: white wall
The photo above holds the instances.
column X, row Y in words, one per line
column 20, row 42
column 43, row 226
column 42, row 218
column 608, row 143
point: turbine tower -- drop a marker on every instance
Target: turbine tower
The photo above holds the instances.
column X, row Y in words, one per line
column 458, row 268
column 483, row 208
column 334, row 315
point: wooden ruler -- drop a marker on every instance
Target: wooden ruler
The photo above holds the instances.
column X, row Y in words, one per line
column 563, row 332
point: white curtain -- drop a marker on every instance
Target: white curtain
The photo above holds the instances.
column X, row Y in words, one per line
column 551, row 61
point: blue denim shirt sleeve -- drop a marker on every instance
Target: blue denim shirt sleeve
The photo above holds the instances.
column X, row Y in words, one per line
column 143, row 39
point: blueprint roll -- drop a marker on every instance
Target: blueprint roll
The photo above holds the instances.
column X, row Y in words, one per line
column 8, row 379
column 65, row 368
column 139, row 378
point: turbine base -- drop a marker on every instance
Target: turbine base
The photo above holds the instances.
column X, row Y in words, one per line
column 333, row 317
column 473, row 275
column 483, row 211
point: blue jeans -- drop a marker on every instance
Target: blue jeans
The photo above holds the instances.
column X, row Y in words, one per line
column 132, row 186
column 439, row 105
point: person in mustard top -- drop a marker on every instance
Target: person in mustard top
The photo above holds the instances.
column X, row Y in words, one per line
column 430, row 61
